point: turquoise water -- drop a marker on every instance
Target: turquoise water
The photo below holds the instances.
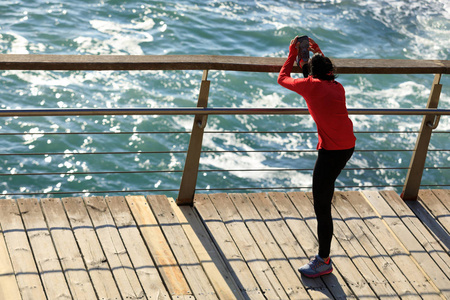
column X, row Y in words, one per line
column 343, row 29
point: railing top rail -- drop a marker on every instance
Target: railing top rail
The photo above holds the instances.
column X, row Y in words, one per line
column 206, row 111
column 210, row 62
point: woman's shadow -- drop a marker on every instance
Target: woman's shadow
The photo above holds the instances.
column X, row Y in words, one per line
column 329, row 285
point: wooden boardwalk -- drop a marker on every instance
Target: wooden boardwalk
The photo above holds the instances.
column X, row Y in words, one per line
column 228, row 246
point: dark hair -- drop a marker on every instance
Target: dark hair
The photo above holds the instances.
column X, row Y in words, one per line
column 321, row 67
column 305, row 69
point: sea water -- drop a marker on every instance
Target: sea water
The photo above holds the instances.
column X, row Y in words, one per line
column 403, row 29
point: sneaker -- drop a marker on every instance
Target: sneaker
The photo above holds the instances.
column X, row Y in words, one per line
column 316, row 267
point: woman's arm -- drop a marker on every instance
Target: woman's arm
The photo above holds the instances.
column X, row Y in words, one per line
column 284, row 77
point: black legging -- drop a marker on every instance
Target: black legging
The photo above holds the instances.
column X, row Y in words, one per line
column 328, row 166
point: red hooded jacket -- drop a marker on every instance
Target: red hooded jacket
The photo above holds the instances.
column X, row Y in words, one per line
column 326, row 104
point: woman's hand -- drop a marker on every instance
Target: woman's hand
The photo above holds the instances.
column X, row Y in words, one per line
column 293, row 46
column 313, row 47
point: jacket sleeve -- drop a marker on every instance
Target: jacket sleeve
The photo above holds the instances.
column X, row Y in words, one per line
column 284, row 77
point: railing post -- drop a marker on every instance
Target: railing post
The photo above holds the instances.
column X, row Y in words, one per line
column 417, row 164
column 189, row 178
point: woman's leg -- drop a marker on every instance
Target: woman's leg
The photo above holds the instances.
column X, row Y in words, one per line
column 328, row 166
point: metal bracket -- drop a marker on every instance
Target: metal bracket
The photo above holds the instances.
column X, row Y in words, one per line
column 202, row 123
column 433, row 125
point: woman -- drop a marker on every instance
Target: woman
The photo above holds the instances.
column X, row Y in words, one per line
column 325, row 98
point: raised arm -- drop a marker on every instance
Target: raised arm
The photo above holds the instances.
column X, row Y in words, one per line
column 284, row 77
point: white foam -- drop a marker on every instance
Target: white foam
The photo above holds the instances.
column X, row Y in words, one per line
column 423, row 23
column 403, row 95
column 19, row 44
column 262, row 100
column 33, row 136
column 124, row 38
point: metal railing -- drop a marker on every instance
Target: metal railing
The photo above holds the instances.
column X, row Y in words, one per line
column 430, row 121
column 134, row 170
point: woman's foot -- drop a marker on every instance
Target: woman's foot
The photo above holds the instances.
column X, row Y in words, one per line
column 317, row 267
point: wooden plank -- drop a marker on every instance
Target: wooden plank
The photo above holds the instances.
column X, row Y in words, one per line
column 19, row 249
column 301, row 243
column 308, row 241
column 185, row 255
column 393, row 246
column 430, row 222
column 286, row 240
column 44, row 252
column 67, row 249
column 159, row 248
column 373, row 248
column 359, row 256
column 436, row 207
column 419, row 230
column 211, row 62
column 115, row 251
column 415, row 248
column 90, row 249
column 341, row 261
column 255, row 259
column 207, row 254
column 288, row 277
column 140, row 257
column 444, row 196
column 240, row 270
column 8, row 284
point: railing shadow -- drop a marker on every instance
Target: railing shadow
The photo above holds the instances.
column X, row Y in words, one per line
column 429, row 220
